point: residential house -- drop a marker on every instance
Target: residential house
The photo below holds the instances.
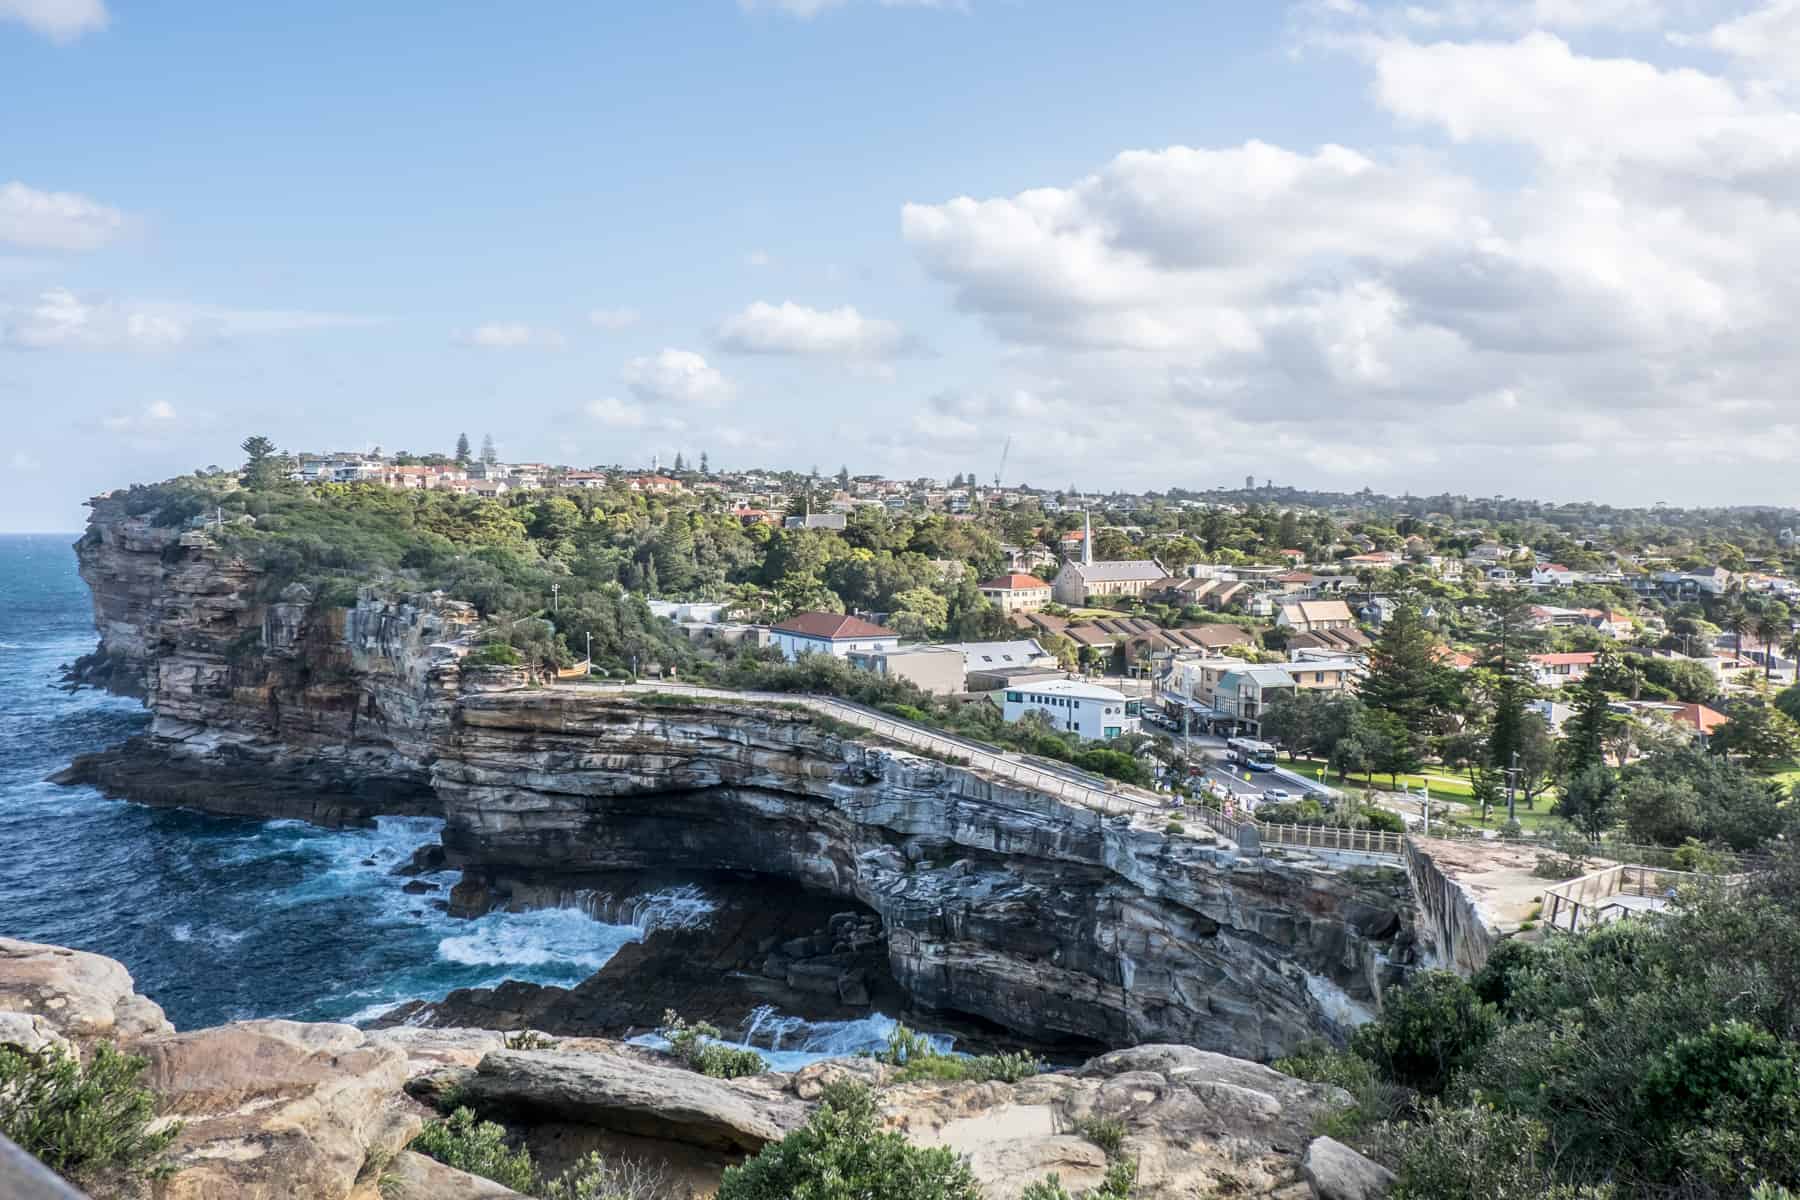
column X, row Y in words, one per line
column 1702, row 720
column 1028, row 559
column 1377, row 560
column 1016, row 593
column 829, row 633
column 1089, row 711
column 582, row 479
column 1313, row 616
column 1329, row 643
column 1555, row 670
column 935, row 669
column 1545, row 575
column 1003, row 656
column 1324, row 674
column 660, row 484
column 825, row 520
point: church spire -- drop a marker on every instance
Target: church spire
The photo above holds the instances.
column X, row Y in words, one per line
column 1087, row 539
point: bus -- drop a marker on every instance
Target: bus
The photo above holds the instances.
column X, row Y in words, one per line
column 1248, row 752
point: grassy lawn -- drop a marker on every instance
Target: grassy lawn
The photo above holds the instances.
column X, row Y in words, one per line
column 1441, row 785
column 1787, row 773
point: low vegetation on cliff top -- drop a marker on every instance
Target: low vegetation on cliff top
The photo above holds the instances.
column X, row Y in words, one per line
column 83, row 1121
column 1647, row 1058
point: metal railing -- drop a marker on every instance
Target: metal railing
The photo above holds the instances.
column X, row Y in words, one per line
column 1589, row 901
column 1111, row 801
column 23, row 1177
column 1334, row 837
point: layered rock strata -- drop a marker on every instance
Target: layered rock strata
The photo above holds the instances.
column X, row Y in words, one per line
column 1010, row 906
column 278, row 1109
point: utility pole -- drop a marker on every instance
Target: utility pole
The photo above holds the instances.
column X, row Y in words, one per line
column 590, row 652
column 1512, row 779
column 556, row 597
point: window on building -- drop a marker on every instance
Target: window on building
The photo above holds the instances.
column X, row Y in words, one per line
column 1014, row 698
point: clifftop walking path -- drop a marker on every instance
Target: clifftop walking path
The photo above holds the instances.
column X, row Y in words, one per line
column 1113, row 799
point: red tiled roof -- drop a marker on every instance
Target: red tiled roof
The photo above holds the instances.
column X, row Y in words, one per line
column 1701, row 717
column 832, row 627
column 1013, row 583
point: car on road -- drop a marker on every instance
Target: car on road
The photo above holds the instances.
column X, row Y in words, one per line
column 1277, row 794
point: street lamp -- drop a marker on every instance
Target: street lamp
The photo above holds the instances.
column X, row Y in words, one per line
column 555, row 597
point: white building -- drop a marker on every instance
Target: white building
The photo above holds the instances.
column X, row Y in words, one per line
column 1091, row 712
column 829, row 633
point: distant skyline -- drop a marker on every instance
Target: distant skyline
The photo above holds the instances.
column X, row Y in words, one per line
column 1543, row 248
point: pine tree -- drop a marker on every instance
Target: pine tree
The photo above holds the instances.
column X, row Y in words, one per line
column 843, row 478
column 1406, row 687
column 679, row 465
column 1584, row 734
column 489, row 455
column 704, row 468
column 462, row 449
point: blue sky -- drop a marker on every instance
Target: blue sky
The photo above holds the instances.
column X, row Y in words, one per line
column 605, row 231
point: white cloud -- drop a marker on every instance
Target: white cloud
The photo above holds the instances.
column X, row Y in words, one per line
column 1395, row 318
column 790, row 328
column 1438, row 17
column 157, row 416
column 611, row 412
column 613, row 318
column 58, row 20
column 55, row 220
column 60, row 319
column 1766, row 38
column 676, row 377
column 512, row 335
column 758, row 258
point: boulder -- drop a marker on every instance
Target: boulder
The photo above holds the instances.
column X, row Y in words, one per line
column 611, row 1091
column 80, row 997
column 1336, row 1172
column 32, row 1033
column 277, row 1109
column 415, row 1177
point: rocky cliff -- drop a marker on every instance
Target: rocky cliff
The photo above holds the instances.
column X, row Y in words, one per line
column 1042, row 917
column 1045, row 919
column 279, row 705
column 281, row 1109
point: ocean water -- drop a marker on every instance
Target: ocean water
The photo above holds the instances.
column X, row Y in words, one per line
column 222, row 918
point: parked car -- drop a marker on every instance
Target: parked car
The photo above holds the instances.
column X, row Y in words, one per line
column 1277, row 795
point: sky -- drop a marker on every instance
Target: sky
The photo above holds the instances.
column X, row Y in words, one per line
column 1526, row 247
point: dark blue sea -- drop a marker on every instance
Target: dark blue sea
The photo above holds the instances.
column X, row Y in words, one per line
column 221, row 918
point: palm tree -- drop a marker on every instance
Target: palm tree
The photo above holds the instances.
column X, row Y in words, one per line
column 1734, row 620
column 1771, row 625
column 1791, row 648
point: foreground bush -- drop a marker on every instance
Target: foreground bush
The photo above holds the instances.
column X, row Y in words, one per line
column 843, row 1154
column 914, row 1054
column 597, row 1178
column 697, row 1046
column 1429, row 1030
column 478, row 1147
column 78, row 1120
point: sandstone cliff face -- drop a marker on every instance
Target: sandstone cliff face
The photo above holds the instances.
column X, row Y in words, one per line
column 1047, row 919
column 273, row 1110
column 999, row 903
column 340, row 705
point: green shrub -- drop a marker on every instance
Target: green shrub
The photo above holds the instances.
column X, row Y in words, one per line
column 1374, row 1100
column 597, row 1178
column 528, row 1039
column 842, row 1153
column 478, row 1147
column 77, row 1119
column 917, row 1060
column 1728, row 1102
column 697, row 1046
column 1175, row 829
column 1428, row 1030
column 1108, row 1133
column 493, row 654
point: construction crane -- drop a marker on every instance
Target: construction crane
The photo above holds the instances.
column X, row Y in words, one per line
column 1004, row 452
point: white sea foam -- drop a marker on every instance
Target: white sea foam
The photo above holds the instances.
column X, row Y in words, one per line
column 788, row 1043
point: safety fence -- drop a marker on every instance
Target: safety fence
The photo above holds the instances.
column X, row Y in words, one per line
column 1111, row 800
column 1617, row 892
